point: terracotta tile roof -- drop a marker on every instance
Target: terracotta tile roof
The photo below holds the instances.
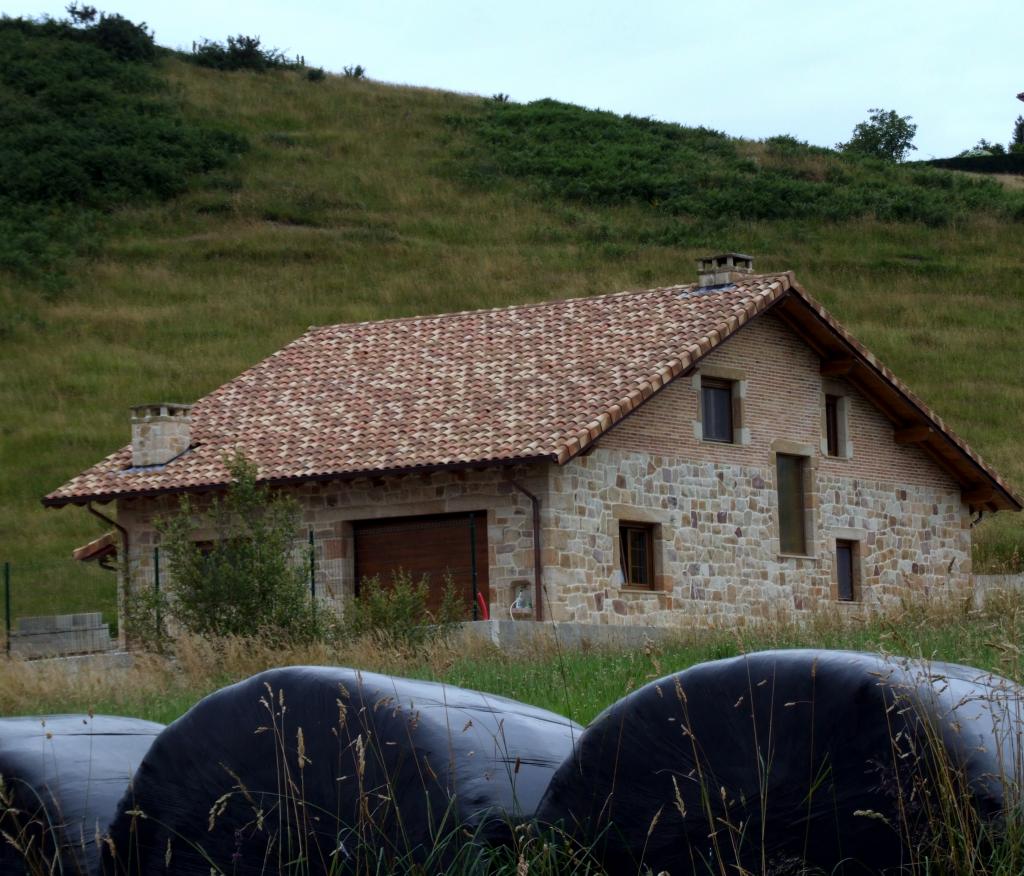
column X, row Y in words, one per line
column 529, row 382
column 97, row 549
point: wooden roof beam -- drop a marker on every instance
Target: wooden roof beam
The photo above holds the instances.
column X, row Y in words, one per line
column 915, row 434
column 838, row 367
column 978, row 494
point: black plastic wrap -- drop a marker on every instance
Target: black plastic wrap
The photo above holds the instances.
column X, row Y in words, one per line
column 782, row 760
column 383, row 765
column 63, row 777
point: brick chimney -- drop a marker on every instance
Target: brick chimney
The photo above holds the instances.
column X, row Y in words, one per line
column 725, row 268
column 160, row 433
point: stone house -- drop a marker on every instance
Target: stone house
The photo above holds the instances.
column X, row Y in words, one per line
column 723, row 450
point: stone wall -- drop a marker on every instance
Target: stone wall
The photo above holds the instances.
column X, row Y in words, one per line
column 717, row 557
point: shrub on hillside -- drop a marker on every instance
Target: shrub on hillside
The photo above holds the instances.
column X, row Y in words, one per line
column 124, row 39
column 885, row 135
column 1012, row 162
column 595, row 157
column 241, row 53
column 86, row 125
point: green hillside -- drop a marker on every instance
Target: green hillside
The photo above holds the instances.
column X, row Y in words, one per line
column 356, row 200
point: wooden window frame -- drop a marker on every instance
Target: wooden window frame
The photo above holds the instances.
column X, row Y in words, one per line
column 832, row 441
column 835, row 422
column 625, row 554
column 718, row 384
column 715, row 377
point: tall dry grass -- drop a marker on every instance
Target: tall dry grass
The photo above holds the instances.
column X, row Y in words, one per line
column 575, row 681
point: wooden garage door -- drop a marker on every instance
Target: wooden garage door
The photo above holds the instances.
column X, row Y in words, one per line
column 428, row 546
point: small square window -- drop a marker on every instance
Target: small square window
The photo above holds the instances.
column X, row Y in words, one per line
column 716, row 410
column 846, row 570
column 636, row 554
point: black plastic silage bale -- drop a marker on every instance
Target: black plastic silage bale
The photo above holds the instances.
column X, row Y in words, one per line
column 63, row 777
column 332, row 766
column 789, row 762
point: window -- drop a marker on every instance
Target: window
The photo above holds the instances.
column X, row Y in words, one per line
column 846, row 575
column 792, row 503
column 835, row 423
column 716, row 409
column 832, row 425
column 636, row 554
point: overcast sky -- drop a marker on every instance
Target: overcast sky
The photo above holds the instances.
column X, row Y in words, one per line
column 810, row 68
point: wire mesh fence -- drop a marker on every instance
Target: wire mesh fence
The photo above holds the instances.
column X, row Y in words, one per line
column 61, row 606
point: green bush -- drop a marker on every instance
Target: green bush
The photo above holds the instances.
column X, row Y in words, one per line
column 1013, row 162
column 241, row 53
column 86, row 125
column 124, row 39
column 886, row 135
column 598, row 158
column 247, row 581
column 397, row 614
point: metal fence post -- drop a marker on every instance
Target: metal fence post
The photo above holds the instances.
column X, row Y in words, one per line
column 156, row 587
column 312, row 567
column 472, row 563
column 7, row 607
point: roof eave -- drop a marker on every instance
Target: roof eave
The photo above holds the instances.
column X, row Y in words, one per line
column 56, row 501
column 982, row 487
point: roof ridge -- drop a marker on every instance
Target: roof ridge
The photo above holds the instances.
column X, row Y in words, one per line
column 527, row 305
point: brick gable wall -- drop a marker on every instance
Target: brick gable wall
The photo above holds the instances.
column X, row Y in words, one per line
column 783, row 401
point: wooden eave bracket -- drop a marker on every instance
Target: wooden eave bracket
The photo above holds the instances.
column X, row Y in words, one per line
column 978, row 494
column 915, row 434
column 839, row 359
column 837, row 367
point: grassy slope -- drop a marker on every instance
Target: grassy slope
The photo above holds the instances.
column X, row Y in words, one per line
column 342, row 211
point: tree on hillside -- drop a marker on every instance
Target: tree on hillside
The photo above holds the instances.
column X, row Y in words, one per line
column 983, row 147
column 1017, row 138
column 885, row 134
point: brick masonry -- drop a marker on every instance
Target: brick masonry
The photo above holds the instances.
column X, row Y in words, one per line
column 713, row 506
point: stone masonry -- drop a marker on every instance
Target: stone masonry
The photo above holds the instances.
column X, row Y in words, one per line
column 160, row 432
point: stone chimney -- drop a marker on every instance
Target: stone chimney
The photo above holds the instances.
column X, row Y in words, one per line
column 160, row 433
column 725, row 268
